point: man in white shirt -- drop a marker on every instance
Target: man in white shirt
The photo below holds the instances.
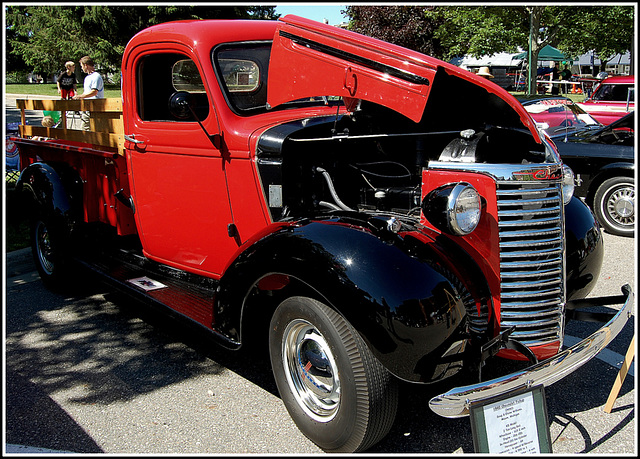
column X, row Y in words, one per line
column 93, row 87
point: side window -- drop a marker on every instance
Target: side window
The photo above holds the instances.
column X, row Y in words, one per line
column 159, row 77
column 621, row 92
column 614, row 93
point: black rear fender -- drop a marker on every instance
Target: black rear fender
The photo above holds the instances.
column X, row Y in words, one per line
column 54, row 191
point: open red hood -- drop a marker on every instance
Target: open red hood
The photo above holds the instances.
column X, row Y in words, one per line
column 313, row 59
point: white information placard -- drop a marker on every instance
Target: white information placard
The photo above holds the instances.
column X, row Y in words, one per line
column 512, row 424
column 515, row 423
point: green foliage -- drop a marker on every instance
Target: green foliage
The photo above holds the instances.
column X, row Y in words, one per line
column 43, row 38
column 448, row 31
column 17, row 77
column 412, row 27
column 606, row 30
column 480, row 31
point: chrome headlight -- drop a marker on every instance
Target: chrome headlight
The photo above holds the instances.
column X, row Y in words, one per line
column 453, row 208
column 568, row 184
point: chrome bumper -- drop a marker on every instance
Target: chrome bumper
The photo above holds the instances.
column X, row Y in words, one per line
column 456, row 402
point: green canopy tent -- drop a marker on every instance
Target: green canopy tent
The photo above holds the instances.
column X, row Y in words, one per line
column 548, row 53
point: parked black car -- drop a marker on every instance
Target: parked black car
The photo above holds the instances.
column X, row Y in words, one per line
column 603, row 161
column 601, row 157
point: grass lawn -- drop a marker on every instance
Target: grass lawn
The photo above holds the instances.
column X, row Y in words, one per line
column 50, row 89
column 17, row 234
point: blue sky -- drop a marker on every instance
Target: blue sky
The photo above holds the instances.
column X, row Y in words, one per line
column 315, row 11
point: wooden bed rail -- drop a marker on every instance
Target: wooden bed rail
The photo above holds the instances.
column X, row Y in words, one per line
column 107, row 128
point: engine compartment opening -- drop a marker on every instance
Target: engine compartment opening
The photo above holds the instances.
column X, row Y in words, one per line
column 372, row 158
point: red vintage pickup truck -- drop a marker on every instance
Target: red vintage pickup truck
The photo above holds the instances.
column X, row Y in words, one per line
column 379, row 215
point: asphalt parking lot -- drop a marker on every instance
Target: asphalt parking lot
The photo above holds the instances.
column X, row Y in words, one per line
column 89, row 371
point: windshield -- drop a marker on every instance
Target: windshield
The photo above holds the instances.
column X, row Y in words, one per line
column 242, row 71
column 554, row 115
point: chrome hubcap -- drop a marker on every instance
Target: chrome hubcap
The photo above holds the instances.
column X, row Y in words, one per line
column 311, row 371
column 43, row 248
column 620, row 206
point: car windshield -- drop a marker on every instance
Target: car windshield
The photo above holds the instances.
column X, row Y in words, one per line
column 620, row 132
column 559, row 115
column 242, row 71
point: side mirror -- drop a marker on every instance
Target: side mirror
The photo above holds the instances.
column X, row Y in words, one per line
column 181, row 105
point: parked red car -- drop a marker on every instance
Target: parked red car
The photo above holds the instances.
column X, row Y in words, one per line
column 612, row 99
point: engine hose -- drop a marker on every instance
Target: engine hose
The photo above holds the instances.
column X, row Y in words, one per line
column 332, row 190
column 330, row 205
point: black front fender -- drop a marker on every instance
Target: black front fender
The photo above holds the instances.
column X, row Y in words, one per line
column 585, row 249
column 403, row 302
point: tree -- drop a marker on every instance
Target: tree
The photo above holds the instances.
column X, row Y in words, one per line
column 45, row 37
column 575, row 30
column 448, row 31
column 14, row 64
column 413, row 27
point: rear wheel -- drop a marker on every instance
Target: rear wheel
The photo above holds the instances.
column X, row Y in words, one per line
column 335, row 390
column 614, row 205
column 49, row 252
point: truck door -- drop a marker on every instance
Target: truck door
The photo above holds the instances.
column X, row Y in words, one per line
column 176, row 174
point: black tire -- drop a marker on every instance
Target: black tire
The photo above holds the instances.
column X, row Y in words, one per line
column 48, row 246
column 613, row 205
column 336, row 391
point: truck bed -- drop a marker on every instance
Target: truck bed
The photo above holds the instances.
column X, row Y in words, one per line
column 107, row 129
column 96, row 156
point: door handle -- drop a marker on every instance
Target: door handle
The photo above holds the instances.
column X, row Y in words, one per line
column 132, row 138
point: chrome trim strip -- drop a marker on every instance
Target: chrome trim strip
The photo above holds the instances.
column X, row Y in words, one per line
column 456, row 402
column 505, row 172
column 530, row 304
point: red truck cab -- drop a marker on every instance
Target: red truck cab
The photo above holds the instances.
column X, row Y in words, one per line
column 379, row 214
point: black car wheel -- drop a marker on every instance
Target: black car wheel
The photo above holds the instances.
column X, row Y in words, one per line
column 614, row 205
column 49, row 252
column 335, row 390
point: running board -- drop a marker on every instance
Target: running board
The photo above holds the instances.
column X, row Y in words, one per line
column 183, row 294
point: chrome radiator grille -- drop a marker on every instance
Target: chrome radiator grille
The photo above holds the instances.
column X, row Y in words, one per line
column 530, row 219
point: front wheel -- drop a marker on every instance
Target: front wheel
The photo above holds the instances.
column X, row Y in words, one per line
column 336, row 391
column 614, row 205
